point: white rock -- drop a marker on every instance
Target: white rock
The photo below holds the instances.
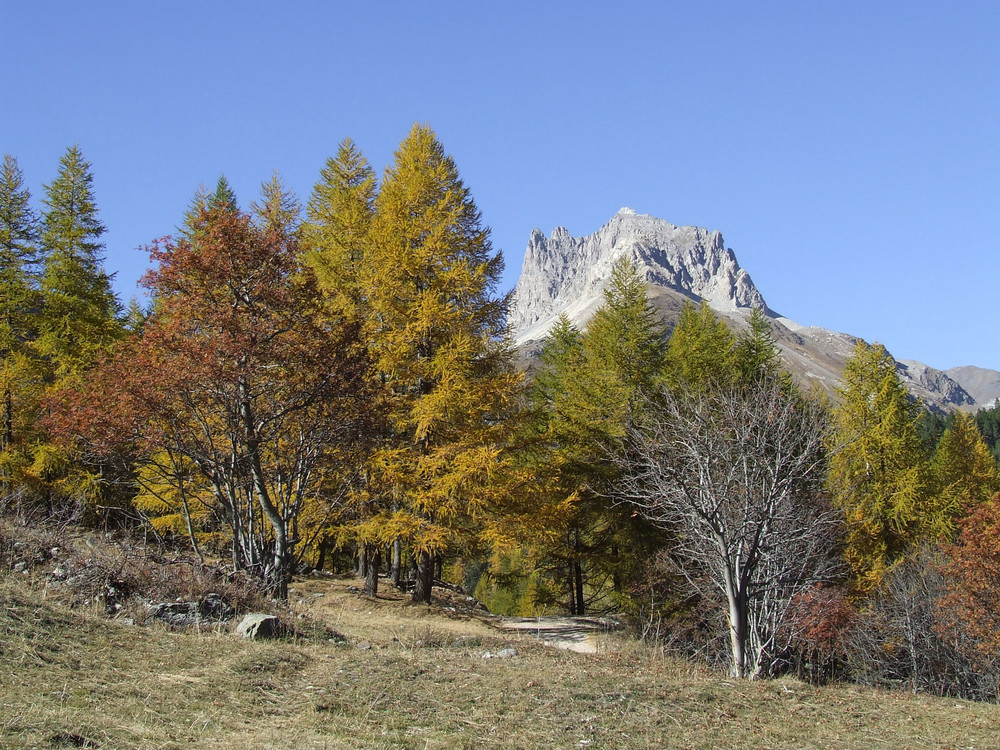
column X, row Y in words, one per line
column 566, row 274
column 257, row 626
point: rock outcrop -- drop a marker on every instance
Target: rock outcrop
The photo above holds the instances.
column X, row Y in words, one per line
column 566, row 274
column 563, row 274
column 212, row 609
column 982, row 384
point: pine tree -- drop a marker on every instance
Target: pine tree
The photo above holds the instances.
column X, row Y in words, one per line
column 756, row 352
column 879, row 473
column 557, row 358
column 339, row 217
column 222, row 198
column 965, row 472
column 590, row 389
column 702, row 350
column 625, row 340
column 18, row 296
column 277, row 208
column 79, row 307
column 437, row 337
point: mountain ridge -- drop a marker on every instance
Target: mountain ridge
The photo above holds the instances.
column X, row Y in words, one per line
column 565, row 274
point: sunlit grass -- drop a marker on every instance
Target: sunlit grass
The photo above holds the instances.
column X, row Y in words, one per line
column 73, row 679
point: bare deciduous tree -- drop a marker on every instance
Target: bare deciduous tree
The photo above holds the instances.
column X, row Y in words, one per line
column 735, row 473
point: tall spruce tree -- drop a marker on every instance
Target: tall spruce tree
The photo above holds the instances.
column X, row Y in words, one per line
column 223, row 198
column 18, row 295
column 879, row 473
column 965, row 472
column 595, row 389
column 339, row 217
column 437, row 337
column 78, row 318
column 702, row 349
column 756, row 351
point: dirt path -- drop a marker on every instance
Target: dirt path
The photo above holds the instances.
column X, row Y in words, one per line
column 579, row 634
column 337, row 602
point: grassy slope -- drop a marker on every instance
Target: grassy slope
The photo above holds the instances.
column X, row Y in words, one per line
column 73, row 679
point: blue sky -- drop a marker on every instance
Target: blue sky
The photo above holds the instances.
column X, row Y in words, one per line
column 849, row 152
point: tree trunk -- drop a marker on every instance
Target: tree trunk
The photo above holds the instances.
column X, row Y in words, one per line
column 397, row 562
column 321, row 559
column 578, row 574
column 425, row 578
column 738, row 631
column 361, row 564
column 578, row 583
column 281, row 561
column 616, row 576
column 571, row 586
column 374, row 559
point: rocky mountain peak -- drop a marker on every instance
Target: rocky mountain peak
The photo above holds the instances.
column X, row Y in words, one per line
column 563, row 274
column 566, row 274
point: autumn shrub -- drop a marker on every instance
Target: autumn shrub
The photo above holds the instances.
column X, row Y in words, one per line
column 970, row 607
column 675, row 614
column 909, row 633
column 817, row 632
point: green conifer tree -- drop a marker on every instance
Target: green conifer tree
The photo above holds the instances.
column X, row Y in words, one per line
column 18, row 299
column 702, row 350
column 591, row 388
column 879, row 473
column 223, row 197
column 756, row 351
column 78, row 319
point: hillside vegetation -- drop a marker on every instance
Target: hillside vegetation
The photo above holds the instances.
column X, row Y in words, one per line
column 332, row 388
column 72, row 678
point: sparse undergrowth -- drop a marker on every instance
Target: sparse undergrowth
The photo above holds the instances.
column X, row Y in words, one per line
column 411, row 677
column 119, row 576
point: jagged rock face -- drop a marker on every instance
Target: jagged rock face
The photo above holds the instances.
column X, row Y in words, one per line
column 934, row 387
column 566, row 274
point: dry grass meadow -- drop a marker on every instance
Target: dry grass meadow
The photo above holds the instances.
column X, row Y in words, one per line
column 385, row 674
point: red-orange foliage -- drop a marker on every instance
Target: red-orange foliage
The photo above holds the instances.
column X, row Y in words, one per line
column 239, row 375
column 820, row 620
column 970, row 611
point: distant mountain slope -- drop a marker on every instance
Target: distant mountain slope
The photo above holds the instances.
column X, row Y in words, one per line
column 982, row 384
column 563, row 274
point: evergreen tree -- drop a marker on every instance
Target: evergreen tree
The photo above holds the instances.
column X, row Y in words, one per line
column 339, row 217
column 79, row 307
column 702, row 349
column 756, row 351
column 592, row 388
column 222, row 198
column 965, row 472
column 437, row 337
column 988, row 422
column 931, row 426
column 18, row 297
column 556, row 360
column 277, row 208
column 879, row 472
